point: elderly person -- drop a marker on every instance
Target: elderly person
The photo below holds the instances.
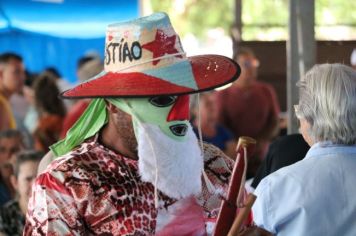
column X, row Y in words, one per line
column 316, row 196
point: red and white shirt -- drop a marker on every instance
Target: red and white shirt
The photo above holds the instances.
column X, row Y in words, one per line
column 95, row 191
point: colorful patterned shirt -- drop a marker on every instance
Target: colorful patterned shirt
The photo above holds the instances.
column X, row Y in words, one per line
column 95, row 191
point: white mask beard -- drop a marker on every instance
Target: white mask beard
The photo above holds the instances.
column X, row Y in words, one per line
column 179, row 163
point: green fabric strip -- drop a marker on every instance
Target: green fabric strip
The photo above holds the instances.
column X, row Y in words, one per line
column 89, row 123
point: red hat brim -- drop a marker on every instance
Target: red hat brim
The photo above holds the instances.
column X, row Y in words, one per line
column 209, row 71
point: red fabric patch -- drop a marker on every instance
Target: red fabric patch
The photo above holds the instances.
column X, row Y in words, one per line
column 50, row 182
column 188, row 220
column 180, row 110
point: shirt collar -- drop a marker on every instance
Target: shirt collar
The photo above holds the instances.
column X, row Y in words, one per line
column 327, row 148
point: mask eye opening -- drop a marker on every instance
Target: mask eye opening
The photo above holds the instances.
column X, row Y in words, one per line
column 162, row 101
column 179, row 130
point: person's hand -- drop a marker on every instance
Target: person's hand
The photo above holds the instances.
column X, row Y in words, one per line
column 254, row 231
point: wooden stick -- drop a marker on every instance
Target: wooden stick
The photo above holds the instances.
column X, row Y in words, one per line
column 242, row 215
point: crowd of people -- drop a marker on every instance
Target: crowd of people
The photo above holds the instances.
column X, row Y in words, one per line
column 125, row 158
column 32, row 118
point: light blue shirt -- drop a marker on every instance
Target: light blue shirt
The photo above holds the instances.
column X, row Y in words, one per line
column 314, row 197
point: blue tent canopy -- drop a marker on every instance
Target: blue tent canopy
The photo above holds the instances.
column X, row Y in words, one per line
column 57, row 33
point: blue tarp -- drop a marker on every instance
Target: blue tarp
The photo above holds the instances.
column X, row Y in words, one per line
column 58, row 32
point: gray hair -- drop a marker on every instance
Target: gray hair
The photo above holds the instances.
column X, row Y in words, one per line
column 328, row 103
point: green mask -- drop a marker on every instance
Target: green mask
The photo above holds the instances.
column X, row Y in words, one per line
column 169, row 113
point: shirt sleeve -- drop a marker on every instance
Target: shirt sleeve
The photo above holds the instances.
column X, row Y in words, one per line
column 280, row 202
column 52, row 209
column 260, row 209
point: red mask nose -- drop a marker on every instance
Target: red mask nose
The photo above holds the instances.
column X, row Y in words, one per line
column 180, row 110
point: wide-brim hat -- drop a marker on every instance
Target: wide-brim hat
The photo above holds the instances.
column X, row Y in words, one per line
column 144, row 57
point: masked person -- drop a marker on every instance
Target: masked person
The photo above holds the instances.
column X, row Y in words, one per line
column 131, row 165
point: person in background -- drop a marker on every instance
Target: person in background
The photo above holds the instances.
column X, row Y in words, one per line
column 12, row 214
column 250, row 108
column 212, row 131
column 62, row 84
column 83, row 70
column 31, row 117
column 51, row 111
column 87, row 67
column 11, row 142
column 19, row 105
column 316, row 196
column 12, row 76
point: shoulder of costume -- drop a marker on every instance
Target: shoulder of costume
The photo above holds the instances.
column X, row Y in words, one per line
column 215, row 154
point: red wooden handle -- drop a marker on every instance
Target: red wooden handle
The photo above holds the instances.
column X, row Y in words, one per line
column 228, row 207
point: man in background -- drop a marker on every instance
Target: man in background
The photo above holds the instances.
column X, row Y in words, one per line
column 12, row 214
column 87, row 67
column 250, row 108
column 12, row 76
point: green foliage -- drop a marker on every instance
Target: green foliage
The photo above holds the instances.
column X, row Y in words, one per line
column 264, row 13
column 198, row 15
column 335, row 12
column 264, row 19
column 261, row 18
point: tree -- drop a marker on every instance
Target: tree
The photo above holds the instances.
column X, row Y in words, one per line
column 197, row 16
column 262, row 19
